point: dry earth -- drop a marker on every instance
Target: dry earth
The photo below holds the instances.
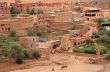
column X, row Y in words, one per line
column 73, row 65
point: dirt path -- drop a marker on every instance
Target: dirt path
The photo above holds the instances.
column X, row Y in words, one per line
column 73, row 65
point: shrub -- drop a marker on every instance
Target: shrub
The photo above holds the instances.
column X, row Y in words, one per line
column 90, row 51
column 13, row 34
column 4, row 53
column 30, row 32
column 103, row 51
column 19, row 60
column 108, row 58
column 77, row 49
column 40, row 34
column 99, row 20
column 95, row 35
column 35, row 54
column 26, row 55
column 15, row 38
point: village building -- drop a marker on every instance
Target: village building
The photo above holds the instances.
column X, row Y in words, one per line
column 4, row 10
column 72, row 40
column 91, row 13
column 54, row 17
column 18, row 24
column 23, row 6
column 68, row 41
column 44, row 19
column 28, row 42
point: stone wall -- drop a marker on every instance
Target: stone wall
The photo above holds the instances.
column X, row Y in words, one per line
column 19, row 24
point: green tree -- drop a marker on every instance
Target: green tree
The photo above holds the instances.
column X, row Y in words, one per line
column 5, row 46
column 14, row 12
column 19, row 60
column 99, row 20
column 35, row 54
column 13, row 34
column 17, row 50
column 102, row 32
column 30, row 32
column 39, row 11
column 32, row 12
column 95, row 35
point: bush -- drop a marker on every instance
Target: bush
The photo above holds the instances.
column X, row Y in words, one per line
column 90, row 51
column 40, row 34
column 15, row 38
column 19, row 60
column 13, row 34
column 35, row 54
column 26, row 55
column 108, row 58
column 95, row 35
column 99, row 20
column 77, row 49
column 73, row 28
column 103, row 51
column 4, row 53
column 30, row 32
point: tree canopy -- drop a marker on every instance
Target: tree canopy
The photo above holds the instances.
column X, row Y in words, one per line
column 99, row 20
column 14, row 11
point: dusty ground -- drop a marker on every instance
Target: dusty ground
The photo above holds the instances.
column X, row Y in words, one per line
column 58, row 60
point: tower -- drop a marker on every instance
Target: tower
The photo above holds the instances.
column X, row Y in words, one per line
column 17, row 1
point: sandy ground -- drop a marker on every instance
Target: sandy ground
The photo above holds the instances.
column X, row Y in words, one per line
column 71, row 68
column 73, row 65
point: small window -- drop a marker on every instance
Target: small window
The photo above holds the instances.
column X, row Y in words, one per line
column 8, row 29
column 2, row 24
column 75, row 44
column 2, row 28
column 5, row 28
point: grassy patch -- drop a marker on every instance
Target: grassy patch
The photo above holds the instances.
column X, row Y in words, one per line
column 90, row 49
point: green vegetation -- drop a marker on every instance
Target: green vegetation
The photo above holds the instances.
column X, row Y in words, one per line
column 41, row 34
column 30, row 32
column 95, row 35
column 26, row 55
column 10, row 49
column 2, row 62
column 35, row 54
column 73, row 28
column 14, row 12
column 17, row 50
column 102, row 41
column 19, row 60
column 99, row 20
column 14, row 36
column 104, row 37
column 39, row 11
column 33, row 11
column 90, row 49
column 108, row 58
